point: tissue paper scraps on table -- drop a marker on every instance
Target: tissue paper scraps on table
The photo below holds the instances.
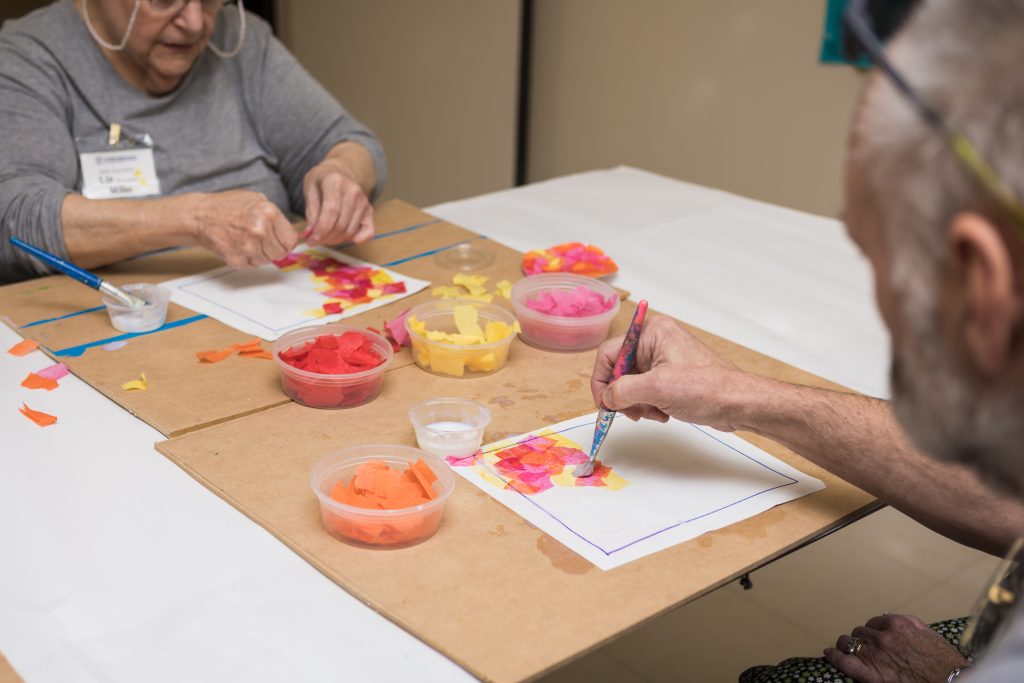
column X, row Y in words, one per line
column 571, row 257
column 538, row 464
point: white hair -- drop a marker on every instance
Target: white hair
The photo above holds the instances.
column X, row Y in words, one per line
column 964, row 58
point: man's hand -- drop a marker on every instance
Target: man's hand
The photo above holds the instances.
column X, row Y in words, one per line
column 244, row 228
column 337, row 209
column 677, row 376
column 896, row 648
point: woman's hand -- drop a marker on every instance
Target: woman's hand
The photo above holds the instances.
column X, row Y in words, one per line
column 337, row 209
column 676, row 376
column 895, row 647
column 244, row 228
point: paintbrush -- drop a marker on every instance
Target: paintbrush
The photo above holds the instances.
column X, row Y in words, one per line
column 623, row 364
column 80, row 274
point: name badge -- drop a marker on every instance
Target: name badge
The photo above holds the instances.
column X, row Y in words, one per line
column 119, row 173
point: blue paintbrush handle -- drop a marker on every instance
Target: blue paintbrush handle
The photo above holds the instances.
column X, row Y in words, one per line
column 69, row 269
column 83, row 276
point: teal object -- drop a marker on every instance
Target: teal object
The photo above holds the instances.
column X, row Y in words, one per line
column 832, row 51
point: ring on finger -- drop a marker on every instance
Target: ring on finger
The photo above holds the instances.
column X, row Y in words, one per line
column 853, row 646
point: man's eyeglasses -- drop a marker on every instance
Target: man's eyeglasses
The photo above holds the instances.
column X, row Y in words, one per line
column 175, row 6
column 858, row 21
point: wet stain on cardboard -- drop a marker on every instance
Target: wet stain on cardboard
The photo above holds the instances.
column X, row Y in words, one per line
column 575, row 384
column 705, row 541
column 503, row 401
column 753, row 530
column 498, row 530
column 561, row 557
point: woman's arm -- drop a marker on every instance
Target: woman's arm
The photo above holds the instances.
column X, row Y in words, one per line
column 243, row 228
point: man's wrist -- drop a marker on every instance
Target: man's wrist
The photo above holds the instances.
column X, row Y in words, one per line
column 754, row 403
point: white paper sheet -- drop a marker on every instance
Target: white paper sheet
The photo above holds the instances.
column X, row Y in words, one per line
column 681, row 480
column 269, row 301
column 116, row 566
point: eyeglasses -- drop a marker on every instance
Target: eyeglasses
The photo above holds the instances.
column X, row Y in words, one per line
column 175, row 6
column 858, row 21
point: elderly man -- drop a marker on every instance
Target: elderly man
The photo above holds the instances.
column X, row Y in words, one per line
column 134, row 125
column 939, row 217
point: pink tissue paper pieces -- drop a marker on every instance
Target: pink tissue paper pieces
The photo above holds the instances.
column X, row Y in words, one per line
column 575, row 303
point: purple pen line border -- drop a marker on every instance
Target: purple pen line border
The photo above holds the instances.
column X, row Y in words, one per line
column 609, row 553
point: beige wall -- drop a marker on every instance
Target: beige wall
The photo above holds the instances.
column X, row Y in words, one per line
column 436, row 80
column 726, row 93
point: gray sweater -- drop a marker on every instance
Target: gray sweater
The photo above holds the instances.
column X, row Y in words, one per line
column 258, row 121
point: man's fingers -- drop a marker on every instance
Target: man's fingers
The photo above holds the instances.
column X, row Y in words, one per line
column 602, row 373
column 849, row 665
column 866, row 634
column 629, row 390
column 652, row 413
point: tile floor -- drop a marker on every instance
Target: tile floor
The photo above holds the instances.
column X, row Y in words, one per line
column 798, row 605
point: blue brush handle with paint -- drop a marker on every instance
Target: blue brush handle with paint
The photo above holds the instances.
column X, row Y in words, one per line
column 69, row 269
column 623, row 364
column 76, row 273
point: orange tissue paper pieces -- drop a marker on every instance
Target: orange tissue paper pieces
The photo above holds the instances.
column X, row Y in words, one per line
column 40, row 418
column 380, row 490
column 250, row 349
column 378, row 487
column 24, row 347
column 35, row 381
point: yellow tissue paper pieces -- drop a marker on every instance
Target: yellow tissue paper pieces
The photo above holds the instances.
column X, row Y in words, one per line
column 472, row 287
column 139, row 384
column 452, row 353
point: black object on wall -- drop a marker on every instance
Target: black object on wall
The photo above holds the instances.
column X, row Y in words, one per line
column 263, row 8
column 523, row 96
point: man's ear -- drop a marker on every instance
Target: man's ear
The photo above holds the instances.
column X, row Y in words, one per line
column 988, row 293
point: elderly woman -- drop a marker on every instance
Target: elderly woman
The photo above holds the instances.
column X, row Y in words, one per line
column 134, row 125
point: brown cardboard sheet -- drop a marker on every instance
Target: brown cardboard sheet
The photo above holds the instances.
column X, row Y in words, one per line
column 489, row 590
column 7, row 672
column 184, row 394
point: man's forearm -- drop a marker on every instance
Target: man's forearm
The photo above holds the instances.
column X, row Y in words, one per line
column 98, row 232
column 858, row 439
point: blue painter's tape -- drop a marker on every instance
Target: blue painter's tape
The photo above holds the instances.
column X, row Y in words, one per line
column 62, row 317
column 381, row 236
column 431, row 252
column 82, row 348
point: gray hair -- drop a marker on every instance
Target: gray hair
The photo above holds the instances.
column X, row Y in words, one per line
column 965, row 59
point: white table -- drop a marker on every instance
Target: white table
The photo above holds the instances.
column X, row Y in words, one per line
column 116, row 566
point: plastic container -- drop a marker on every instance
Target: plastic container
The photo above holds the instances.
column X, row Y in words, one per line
column 146, row 319
column 555, row 332
column 317, row 390
column 456, row 360
column 379, row 528
column 450, row 426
